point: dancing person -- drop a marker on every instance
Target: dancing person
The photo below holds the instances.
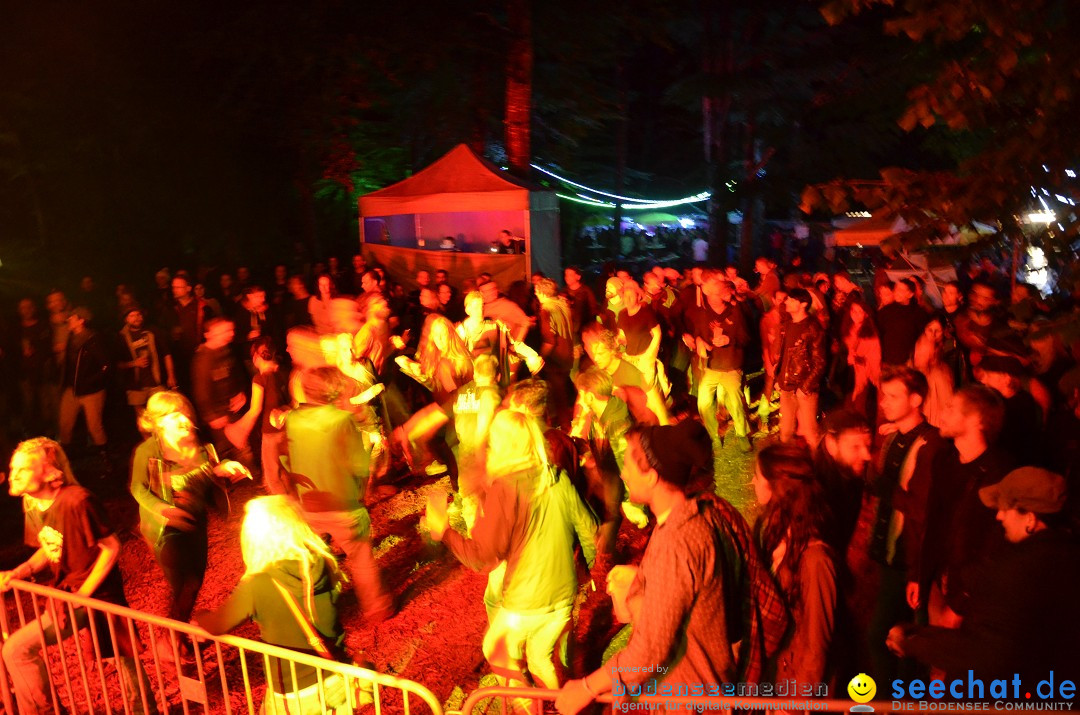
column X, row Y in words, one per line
column 701, row 587
column 77, row 550
column 530, row 518
column 484, row 335
column 173, row 479
column 645, row 403
column 638, row 331
column 442, row 365
column 583, row 307
column 792, row 532
column 556, row 348
column 327, row 469
column 290, row 590
column 718, row 332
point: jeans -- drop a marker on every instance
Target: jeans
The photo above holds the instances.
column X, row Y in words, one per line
column 351, row 530
column 722, row 387
column 25, row 661
column 182, row 557
column 273, row 445
column 92, row 405
column 520, row 645
column 798, row 407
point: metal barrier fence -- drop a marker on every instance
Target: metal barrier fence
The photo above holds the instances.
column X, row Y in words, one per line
column 542, row 701
column 227, row 678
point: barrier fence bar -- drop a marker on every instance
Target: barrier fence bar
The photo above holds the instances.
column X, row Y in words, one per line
column 83, row 628
column 725, row 704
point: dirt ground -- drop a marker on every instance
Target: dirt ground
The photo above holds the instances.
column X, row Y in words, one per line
column 434, row 639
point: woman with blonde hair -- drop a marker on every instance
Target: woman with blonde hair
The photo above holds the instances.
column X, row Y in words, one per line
column 290, row 589
column 173, row 476
column 530, row 517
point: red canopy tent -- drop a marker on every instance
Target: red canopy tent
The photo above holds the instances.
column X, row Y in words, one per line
column 469, row 199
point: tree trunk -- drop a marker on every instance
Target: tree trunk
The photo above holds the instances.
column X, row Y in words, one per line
column 31, row 186
column 519, row 66
column 621, row 141
column 749, row 201
column 715, row 111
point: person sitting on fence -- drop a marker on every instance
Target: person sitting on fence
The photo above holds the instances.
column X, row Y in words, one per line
column 77, row 551
column 290, row 588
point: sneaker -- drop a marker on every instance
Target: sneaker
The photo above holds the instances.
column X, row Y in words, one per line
column 435, row 468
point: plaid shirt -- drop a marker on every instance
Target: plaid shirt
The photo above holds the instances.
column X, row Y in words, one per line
column 703, row 588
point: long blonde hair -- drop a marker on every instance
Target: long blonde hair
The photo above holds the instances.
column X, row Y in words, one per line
column 274, row 531
column 164, row 403
column 428, row 355
column 52, row 455
column 516, row 444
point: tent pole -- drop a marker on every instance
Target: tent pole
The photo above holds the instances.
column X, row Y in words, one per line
column 528, row 246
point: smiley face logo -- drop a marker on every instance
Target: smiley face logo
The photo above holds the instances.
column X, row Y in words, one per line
column 862, row 688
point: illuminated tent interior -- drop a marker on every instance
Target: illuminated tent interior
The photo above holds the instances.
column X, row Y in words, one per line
column 465, row 197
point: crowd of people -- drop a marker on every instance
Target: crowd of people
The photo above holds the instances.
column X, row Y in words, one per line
column 939, row 444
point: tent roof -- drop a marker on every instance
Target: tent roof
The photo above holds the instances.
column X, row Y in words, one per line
column 459, row 181
column 870, row 231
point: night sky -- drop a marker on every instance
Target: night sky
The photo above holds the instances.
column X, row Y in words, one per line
column 135, row 135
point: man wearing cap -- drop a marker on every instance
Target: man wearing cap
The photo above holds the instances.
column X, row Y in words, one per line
column 82, row 381
column 1021, row 618
column 144, row 361
column 1021, row 433
column 700, row 587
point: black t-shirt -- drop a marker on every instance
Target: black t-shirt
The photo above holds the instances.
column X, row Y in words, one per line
column 273, row 384
column 1021, row 433
column 637, row 328
column 960, row 529
column 900, row 326
column 702, row 323
column 69, row 531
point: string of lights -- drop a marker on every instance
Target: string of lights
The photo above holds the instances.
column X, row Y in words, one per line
column 631, row 203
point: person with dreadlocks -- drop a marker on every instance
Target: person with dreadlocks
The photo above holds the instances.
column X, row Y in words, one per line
column 326, row 468
column 290, row 589
column 77, row 550
column 700, row 588
column 791, row 532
